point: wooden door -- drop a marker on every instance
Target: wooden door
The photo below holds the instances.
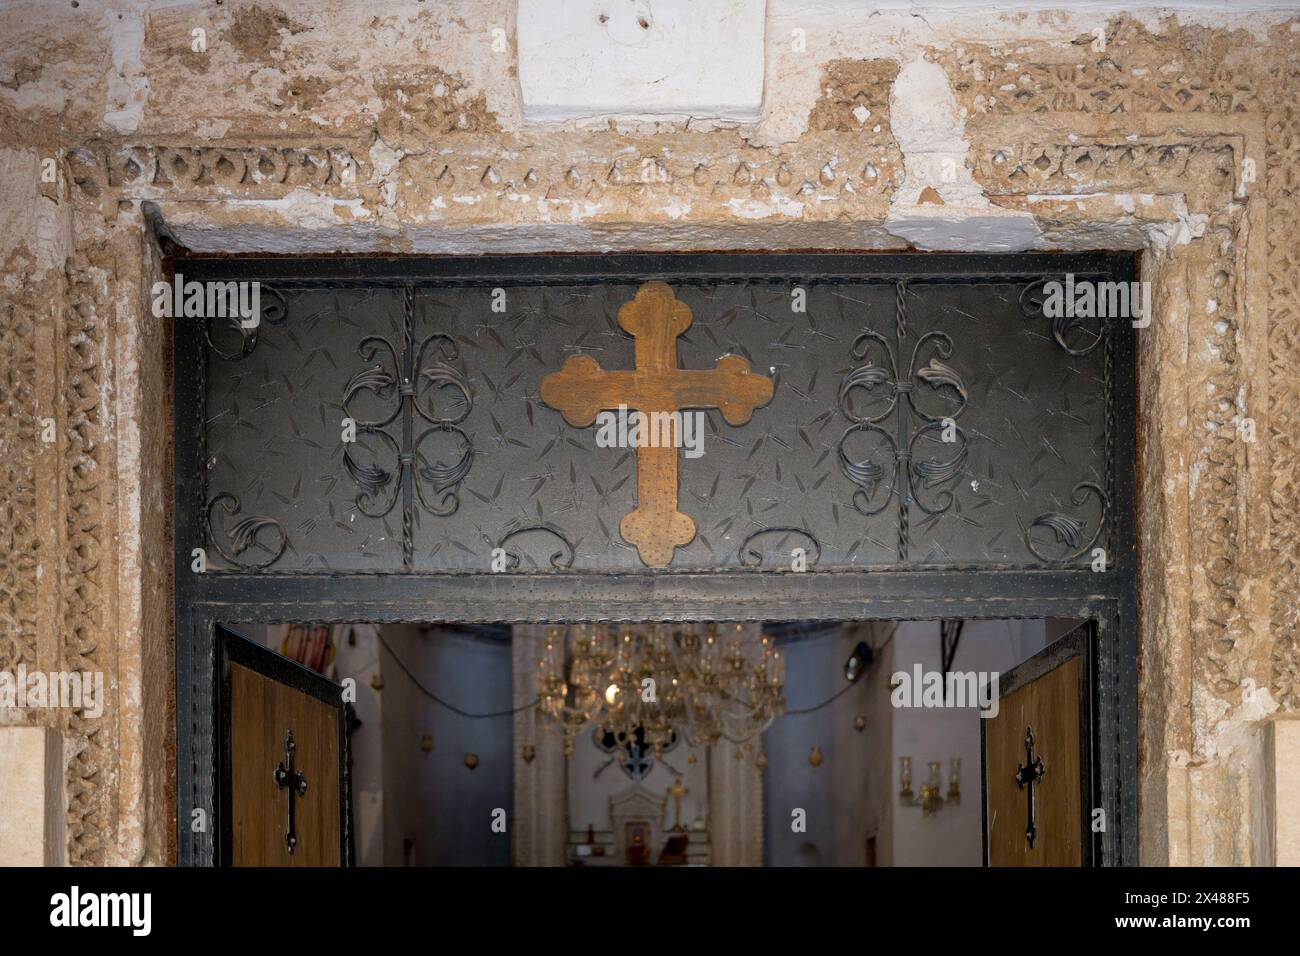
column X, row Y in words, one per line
column 1038, row 785
column 283, row 761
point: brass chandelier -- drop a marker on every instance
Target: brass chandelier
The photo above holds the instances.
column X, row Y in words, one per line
column 669, row 679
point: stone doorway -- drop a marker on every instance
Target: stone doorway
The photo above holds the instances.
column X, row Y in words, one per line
column 1177, row 141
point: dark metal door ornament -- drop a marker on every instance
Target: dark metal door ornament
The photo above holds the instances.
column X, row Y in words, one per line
column 1077, row 335
column 1027, row 775
column 909, row 474
column 295, row 781
column 275, row 310
column 243, row 536
column 993, row 461
column 415, row 379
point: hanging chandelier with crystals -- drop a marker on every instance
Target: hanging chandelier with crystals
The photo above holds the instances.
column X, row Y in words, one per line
column 700, row 682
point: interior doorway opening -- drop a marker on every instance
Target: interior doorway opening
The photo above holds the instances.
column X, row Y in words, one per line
column 780, row 743
column 936, row 445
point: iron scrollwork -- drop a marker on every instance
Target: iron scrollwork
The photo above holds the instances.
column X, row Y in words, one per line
column 560, row 560
column 751, row 557
column 910, row 478
column 409, row 469
column 244, row 535
column 274, row 311
column 1067, row 529
column 1076, row 334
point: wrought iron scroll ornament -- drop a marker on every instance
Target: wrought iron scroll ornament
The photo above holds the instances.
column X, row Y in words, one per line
column 233, row 542
column 416, row 377
column 1075, row 334
column 894, row 394
column 274, row 309
column 1067, row 529
column 560, row 560
column 752, row 557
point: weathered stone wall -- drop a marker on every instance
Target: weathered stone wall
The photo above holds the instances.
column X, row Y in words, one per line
column 358, row 127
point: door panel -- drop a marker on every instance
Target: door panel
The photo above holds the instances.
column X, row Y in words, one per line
column 283, row 738
column 1044, row 714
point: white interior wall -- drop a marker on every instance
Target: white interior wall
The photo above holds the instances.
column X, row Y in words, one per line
column 840, row 808
column 358, row 658
column 852, row 797
column 950, row 837
column 437, row 810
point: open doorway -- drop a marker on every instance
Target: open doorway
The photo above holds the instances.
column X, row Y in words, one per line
column 900, row 437
column 781, row 743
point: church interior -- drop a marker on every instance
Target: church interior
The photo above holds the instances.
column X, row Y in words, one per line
column 802, row 760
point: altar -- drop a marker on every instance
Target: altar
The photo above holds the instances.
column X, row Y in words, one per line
column 642, row 832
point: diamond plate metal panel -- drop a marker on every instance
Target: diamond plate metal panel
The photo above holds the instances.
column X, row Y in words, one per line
column 919, row 421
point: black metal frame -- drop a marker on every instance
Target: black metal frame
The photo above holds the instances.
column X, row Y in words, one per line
column 233, row 647
column 1081, row 642
column 1109, row 598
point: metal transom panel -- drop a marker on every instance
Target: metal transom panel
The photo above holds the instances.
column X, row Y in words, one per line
column 918, row 439
column 910, row 418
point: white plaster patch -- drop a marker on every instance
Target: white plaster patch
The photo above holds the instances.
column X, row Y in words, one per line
column 755, row 209
column 384, row 159
column 1186, row 226
column 965, row 229
column 212, row 128
column 930, row 131
column 304, row 209
column 639, row 58
column 1235, row 730
column 128, row 85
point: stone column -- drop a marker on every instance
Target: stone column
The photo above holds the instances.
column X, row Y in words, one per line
column 539, row 828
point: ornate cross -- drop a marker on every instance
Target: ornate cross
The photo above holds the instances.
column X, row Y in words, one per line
column 582, row 389
column 295, row 781
column 1028, row 774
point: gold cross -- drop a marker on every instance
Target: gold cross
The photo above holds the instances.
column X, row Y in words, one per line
column 582, row 389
